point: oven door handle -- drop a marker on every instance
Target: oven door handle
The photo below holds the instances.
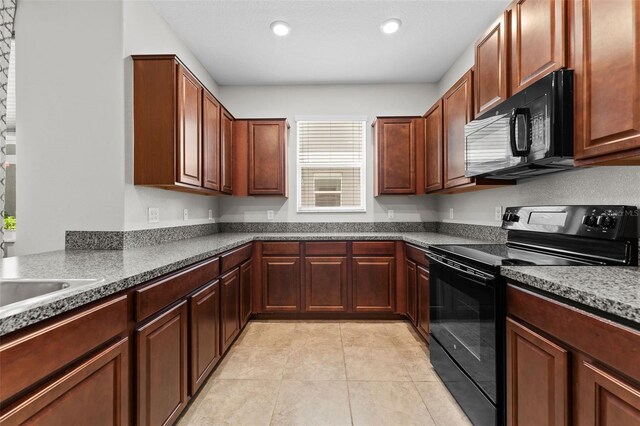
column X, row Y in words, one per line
column 480, row 277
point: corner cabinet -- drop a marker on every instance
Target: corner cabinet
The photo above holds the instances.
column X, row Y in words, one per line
column 396, row 142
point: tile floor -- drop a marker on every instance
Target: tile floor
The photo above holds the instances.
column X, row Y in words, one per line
column 325, row 373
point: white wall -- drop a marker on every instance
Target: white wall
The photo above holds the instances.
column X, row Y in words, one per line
column 600, row 185
column 146, row 32
column 70, row 125
column 327, row 100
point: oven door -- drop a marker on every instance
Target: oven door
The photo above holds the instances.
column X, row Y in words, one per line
column 464, row 321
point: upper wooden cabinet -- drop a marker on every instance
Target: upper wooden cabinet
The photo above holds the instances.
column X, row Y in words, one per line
column 491, row 75
column 168, row 118
column 538, row 40
column 396, row 141
column 210, row 141
column 226, row 151
column 433, row 149
column 260, row 157
column 606, row 67
column 457, row 111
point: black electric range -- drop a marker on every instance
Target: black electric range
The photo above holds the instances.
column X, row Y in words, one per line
column 468, row 300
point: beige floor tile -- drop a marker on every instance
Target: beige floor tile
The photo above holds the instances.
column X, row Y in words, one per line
column 416, row 361
column 441, row 405
column 237, row 402
column 381, row 364
column 315, row 363
column 253, row 363
column 318, row 335
column 387, row 403
column 312, row 403
column 365, row 335
column 266, row 339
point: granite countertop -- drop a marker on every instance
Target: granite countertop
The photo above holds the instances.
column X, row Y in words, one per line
column 611, row 289
column 122, row 269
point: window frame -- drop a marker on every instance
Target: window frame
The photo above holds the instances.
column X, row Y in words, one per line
column 362, row 165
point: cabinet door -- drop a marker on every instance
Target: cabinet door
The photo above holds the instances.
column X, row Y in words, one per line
column 204, row 313
column 607, row 81
column 96, row 392
column 423, row 300
column 226, row 151
column 537, row 379
column 373, row 284
column 325, row 284
column 411, row 291
column 161, row 365
column 603, row 398
column 267, row 168
column 490, row 75
column 433, row 148
column 246, row 278
column 189, row 148
column 229, row 307
column 538, row 40
column 211, row 141
column 281, row 284
column 457, row 108
column 396, row 156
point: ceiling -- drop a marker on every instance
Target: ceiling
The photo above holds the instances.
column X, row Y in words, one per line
column 331, row 41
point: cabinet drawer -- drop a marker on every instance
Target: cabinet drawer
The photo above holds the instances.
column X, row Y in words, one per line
column 373, row 247
column 33, row 357
column 233, row 258
column 288, row 248
column 165, row 291
column 330, row 248
column 417, row 255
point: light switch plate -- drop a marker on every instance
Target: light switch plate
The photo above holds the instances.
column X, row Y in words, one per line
column 154, row 215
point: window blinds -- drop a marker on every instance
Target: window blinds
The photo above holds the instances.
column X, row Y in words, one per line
column 331, row 165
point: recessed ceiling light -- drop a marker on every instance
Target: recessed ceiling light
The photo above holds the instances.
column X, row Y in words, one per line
column 391, row 26
column 280, row 28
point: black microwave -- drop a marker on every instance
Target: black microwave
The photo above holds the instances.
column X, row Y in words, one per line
column 529, row 134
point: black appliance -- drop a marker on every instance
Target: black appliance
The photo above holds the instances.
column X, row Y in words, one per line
column 529, row 134
column 467, row 293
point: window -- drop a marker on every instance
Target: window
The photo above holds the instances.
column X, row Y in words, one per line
column 331, row 165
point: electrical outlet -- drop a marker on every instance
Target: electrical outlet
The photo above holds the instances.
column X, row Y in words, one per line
column 450, row 213
column 390, row 214
column 185, row 214
column 154, row 215
column 498, row 213
column 210, row 214
column 270, row 214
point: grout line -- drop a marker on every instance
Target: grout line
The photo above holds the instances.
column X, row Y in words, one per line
column 346, row 378
column 425, row 404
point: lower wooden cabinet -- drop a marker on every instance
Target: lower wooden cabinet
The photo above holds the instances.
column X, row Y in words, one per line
column 281, row 284
column 246, row 281
column 373, row 284
column 161, row 365
column 229, row 308
column 325, row 284
column 411, row 292
column 204, row 313
column 96, row 392
column 537, row 379
column 422, row 283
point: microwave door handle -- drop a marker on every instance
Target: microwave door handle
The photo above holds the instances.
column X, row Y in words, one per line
column 479, row 279
column 513, row 121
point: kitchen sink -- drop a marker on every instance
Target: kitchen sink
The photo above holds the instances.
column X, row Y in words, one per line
column 18, row 290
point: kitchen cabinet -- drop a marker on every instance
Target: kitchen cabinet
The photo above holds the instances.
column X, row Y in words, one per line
column 433, row 151
column 396, row 141
column 373, row 284
column 606, row 81
column 210, row 141
column 95, row 392
column 267, row 157
column 246, row 289
column 537, row 378
column 229, row 308
column 560, row 365
column 411, row 292
column 326, row 284
column 538, row 40
column 491, row 72
column 204, row 314
column 189, row 131
column 226, row 152
column 161, row 365
column 281, row 283
column 422, row 282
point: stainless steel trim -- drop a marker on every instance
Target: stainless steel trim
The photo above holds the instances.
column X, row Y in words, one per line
column 460, row 268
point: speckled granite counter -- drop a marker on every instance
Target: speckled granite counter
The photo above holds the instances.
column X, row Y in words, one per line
column 122, row 269
column 611, row 289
